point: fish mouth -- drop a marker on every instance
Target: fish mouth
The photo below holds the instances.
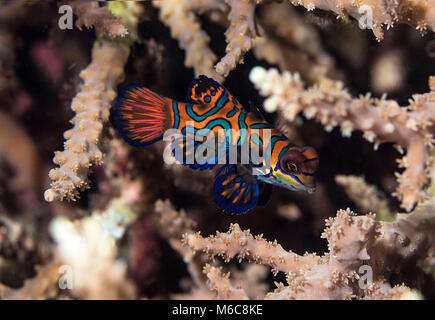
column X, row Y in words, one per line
column 311, row 190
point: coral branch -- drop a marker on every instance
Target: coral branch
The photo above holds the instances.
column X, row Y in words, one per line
column 366, row 197
column 239, row 35
column 380, row 120
column 172, row 224
column 202, row 6
column 241, row 244
column 408, row 241
column 353, row 243
column 187, row 30
column 92, row 105
column 290, row 42
column 122, row 242
column 90, row 14
column 43, row 286
column 373, row 14
column 221, row 284
column 91, row 255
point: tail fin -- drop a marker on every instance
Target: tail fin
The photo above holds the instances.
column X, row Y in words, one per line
column 140, row 115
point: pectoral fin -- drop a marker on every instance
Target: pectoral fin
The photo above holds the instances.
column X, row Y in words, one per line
column 235, row 192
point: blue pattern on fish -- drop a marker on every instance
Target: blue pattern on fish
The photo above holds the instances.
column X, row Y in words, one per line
column 142, row 117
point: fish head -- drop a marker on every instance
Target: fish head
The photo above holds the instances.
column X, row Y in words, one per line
column 296, row 167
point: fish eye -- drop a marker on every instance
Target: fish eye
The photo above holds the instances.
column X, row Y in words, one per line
column 292, row 167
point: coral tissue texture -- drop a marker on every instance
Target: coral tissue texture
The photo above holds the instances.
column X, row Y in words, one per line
column 92, row 107
column 90, row 14
column 380, row 120
column 100, row 219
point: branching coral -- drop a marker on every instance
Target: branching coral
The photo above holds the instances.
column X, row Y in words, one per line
column 91, row 255
column 203, row 6
column 381, row 120
column 90, row 14
column 243, row 31
column 366, row 197
column 172, row 224
column 239, row 35
column 220, row 283
column 373, row 14
column 243, row 245
column 354, row 242
column 180, row 16
column 187, row 30
column 115, row 244
column 290, row 42
column 92, row 107
column 44, row 285
column 208, row 280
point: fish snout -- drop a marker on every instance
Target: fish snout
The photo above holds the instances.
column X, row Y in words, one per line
column 311, row 190
column 310, row 163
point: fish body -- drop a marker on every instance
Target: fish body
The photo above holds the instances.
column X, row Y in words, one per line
column 242, row 181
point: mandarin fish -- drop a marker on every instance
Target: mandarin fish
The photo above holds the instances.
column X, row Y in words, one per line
column 241, row 182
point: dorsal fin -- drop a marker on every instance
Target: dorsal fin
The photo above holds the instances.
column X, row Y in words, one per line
column 255, row 111
column 205, row 91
